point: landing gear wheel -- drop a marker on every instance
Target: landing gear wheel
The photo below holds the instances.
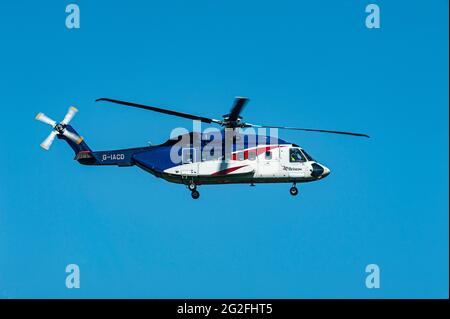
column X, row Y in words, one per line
column 293, row 191
column 192, row 187
column 195, row 194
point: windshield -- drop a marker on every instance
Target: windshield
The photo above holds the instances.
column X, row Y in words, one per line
column 307, row 156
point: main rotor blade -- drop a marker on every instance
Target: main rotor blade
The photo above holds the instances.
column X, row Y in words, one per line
column 161, row 110
column 311, row 130
column 239, row 104
column 69, row 116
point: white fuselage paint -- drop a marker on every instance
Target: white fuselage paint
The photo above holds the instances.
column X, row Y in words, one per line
column 276, row 168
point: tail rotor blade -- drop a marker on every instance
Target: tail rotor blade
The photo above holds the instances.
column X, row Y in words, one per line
column 73, row 137
column 69, row 116
column 49, row 140
column 45, row 119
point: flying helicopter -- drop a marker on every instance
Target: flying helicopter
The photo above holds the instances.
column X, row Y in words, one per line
column 194, row 159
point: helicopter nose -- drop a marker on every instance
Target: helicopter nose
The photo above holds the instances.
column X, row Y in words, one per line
column 319, row 171
column 326, row 171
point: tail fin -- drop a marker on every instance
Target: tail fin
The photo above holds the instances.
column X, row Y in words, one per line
column 77, row 148
column 83, row 154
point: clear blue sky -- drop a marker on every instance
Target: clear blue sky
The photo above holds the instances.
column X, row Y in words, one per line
column 310, row 64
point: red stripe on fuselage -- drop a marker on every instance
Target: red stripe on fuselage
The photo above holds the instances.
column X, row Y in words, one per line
column 258, row 151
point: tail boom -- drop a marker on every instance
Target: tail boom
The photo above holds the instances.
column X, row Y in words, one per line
column 122, row 157
column 84, row 155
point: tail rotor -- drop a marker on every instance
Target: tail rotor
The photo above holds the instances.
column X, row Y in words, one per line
column 59, row 128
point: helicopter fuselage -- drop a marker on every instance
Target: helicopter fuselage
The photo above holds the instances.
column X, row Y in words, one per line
column 269, row 164
column 267, row 160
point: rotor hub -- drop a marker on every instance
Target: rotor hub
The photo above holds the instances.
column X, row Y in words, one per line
column 59, row 127
column 229, row 123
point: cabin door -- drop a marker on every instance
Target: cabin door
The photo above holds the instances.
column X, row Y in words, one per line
column 190, row 162
column 268, row 163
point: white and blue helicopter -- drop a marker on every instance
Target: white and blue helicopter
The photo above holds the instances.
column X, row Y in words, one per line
column 230, row 155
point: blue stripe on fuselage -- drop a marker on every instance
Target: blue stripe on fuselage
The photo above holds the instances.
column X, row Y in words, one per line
column 156, row 159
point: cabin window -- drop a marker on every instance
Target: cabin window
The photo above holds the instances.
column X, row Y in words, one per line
column 240, row 156
column 188, row 155
column 251, row 155
column 295, row 156
column 268, row 155
column 212, row 154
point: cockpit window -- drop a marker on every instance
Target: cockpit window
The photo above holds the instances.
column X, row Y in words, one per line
column 295, row 155
column 308, row 157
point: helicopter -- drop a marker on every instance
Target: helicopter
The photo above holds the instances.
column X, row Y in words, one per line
column 233, row 154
